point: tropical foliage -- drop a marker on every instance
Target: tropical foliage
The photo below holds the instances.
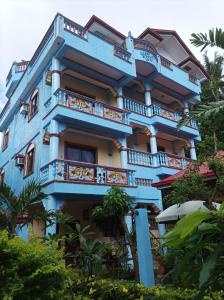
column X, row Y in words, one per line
column 13, row 206
column 192, row 185
column 116, row 204
column 101, row 289
column 195, row 246
column 31, row 270
column 214, row 38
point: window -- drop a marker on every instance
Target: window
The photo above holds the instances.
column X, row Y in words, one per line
column 33, row 104
column 2, row 176
column 29, row 160
column 5, row 139
column 80, row 153
column 161, row 148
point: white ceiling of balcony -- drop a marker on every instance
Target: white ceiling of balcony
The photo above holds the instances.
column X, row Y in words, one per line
column 100, row 30
column 171, row 49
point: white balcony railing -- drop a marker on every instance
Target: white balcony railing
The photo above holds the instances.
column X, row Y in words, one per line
column 154, row 109
column 160, row 159
column 135, row 106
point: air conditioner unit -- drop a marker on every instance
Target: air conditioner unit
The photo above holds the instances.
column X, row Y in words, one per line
column 20, row 160
column 24, row 108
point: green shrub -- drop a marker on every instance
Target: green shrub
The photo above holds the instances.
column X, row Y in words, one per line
column 31, row 270
column 105, row 289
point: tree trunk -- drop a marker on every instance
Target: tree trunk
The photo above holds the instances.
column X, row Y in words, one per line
column 215, row 141
column 132, row 247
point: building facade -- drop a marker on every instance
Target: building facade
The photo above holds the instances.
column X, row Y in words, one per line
column 95, row 108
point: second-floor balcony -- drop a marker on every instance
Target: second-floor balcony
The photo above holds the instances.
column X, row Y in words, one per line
column 86, row 173
column 159, row 159
column 155, row 110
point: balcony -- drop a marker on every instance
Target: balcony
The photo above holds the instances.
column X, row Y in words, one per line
column 159, row 159
column 168, row 73
column 82, row 110
column 91, row 48
column 86, row 173
column 90, row 106
column 155, row 110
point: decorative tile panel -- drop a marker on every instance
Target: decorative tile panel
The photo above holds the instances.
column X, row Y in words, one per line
column 80, row 104
column 116, row 177
column 80, row 173
column 112, row 115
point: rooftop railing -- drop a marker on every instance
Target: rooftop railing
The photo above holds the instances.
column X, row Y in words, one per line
column 75, row 28
column 121, row 52
column 22, row 66
column 145, row 45
column 86, row 173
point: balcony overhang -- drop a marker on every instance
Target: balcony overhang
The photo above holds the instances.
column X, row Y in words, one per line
column 76, row 119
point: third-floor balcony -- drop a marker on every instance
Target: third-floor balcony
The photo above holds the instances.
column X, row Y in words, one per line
column 84, row 110
column 156, row 110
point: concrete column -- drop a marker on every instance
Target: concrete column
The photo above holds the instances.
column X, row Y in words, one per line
column 148, row 99
column 54, row 141
column 186, row 107
column 123, row 153
column 153, row 143
column 55, row 84
column 129, row 43
column 128, row 221
column 152, row 139
column 192, row 150
column 52, row 204
column 120, row 98
column 145, row 258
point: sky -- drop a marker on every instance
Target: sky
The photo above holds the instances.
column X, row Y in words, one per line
column 23, row 23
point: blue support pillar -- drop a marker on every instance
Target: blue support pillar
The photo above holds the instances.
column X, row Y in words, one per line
column 123, row 153
column 145, row 259
column 52, row 204
column 128, row 221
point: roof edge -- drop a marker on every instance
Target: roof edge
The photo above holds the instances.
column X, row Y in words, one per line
column 94, row 18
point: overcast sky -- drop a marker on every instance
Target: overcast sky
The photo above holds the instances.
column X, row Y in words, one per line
column 23, row 23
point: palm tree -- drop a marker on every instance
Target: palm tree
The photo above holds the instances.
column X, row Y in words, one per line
column 209, row 111
column 214, row 38
column 13, row 206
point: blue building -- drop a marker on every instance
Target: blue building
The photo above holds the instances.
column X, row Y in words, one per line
column 95, row 108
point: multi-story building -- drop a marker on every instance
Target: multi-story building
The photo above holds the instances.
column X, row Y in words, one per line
column 95, row 108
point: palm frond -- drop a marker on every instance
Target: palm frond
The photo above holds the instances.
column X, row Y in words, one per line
column 8, row 199
column 215, row 37
column 30, row 194
column 207, row 110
